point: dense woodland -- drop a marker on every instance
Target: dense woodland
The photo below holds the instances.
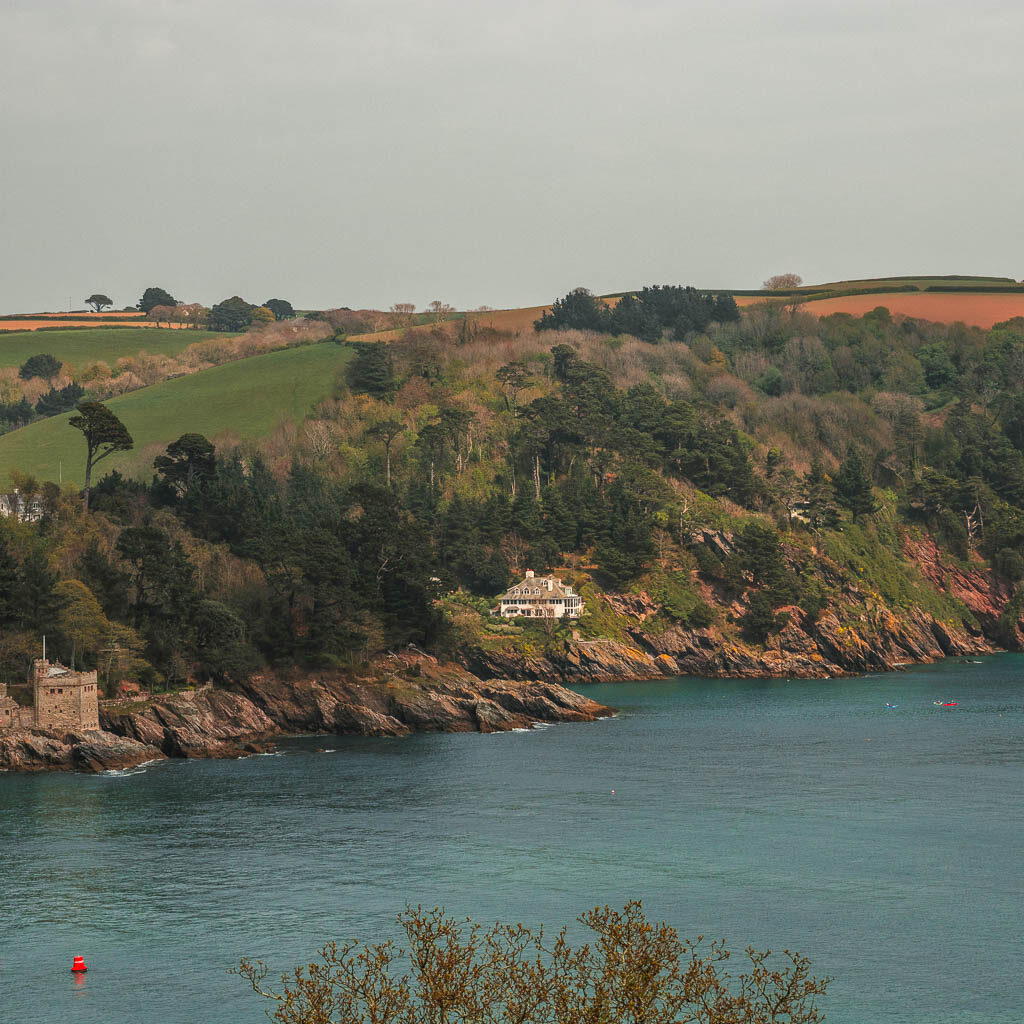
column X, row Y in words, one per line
column 609, row 443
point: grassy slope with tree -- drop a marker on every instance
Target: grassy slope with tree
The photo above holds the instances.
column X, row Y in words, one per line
column 78, row 347
column 731, row 473
column 247, row 399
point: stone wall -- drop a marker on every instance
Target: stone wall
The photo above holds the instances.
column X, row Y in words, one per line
column 65, row 699
column 10, row 712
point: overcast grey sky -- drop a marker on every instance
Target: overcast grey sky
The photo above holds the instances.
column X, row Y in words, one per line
column 363, row 152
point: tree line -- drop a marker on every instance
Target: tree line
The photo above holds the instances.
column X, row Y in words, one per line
column 436, row 466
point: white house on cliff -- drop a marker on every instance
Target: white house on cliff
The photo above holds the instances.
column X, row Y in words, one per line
column 540, row 597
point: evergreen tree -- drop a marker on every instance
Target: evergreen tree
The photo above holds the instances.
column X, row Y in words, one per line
column 526, row 516
column 563, row 357
column 38, row 600
column 10, row 587
column 187, row 464
column 58, row 400
column 820, row 497
column 281, row 308
column 760, row 619
column 105, row 580
column 43, row 366
column 853, row 486
column 371, row 371
column 104, row 434
column 156, row 297
column 234, row 314
column 559, row 520
column 580, row 309
column 726, row 310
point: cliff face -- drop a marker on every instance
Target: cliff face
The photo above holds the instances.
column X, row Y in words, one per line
column 976, row 588
column 37, row 750
column 859, row 633
column 205, row 723
column 827, row 647
column 402, row 694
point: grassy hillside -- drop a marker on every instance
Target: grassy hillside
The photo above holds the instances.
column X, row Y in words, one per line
column 247, row 398
column 77, row 347
column 924, row 281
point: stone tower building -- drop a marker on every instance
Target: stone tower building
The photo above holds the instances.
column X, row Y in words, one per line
column 10, row 713
column 64, row 699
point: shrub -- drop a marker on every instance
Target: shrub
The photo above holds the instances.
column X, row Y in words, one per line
column 633, row 970
column 43, row 365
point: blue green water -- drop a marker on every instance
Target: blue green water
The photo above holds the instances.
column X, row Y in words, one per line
column 884, row 844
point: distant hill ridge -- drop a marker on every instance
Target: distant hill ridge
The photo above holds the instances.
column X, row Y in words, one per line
column 870, row 285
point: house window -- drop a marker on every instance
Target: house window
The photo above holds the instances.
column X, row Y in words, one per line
column 52, row 690
column 60, row 689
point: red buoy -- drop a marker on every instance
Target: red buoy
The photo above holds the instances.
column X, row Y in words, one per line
column 79, row 964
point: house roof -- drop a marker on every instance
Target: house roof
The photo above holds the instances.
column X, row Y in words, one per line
column 531, row 584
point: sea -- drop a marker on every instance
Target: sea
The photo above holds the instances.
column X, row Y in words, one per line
column 884, row 843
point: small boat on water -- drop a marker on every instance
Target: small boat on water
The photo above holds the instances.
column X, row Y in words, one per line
column 888, row 705
column 945, row 703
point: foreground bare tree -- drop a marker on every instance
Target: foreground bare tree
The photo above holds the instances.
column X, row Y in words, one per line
column 456, row 972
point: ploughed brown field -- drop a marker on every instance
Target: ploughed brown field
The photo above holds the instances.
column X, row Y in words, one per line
column 105, row 315
column 34, row 325
column 977, row 310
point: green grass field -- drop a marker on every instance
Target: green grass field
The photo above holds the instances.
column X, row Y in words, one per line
column 77, row 347
column 246, row 399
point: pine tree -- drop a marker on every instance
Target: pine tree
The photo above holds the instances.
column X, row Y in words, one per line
column 10, row 580
column 726, row 310
column 853, row 487
column 371, row 372
column 38, row 598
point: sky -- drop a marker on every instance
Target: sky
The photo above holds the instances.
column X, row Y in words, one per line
column 366, row 152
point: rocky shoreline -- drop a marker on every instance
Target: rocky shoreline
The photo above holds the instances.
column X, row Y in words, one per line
column 399, row 695
column 825, row 648
column 858, row 633
column 503, row 686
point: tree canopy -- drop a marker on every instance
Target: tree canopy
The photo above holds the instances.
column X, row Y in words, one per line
column 372, row 371
column 647, row 314
column 104, row 434
column 779, row 281
column 233, row 314
column 97, row 300
column 43, row 365
column 187, row 463
column 281, row 308
column 154, row 296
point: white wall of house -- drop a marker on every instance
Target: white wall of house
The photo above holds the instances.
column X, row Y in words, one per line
column 540, row 597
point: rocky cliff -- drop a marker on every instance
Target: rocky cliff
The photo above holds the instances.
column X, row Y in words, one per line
column 36, row 750
column 858, row 633
column 399, row 694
